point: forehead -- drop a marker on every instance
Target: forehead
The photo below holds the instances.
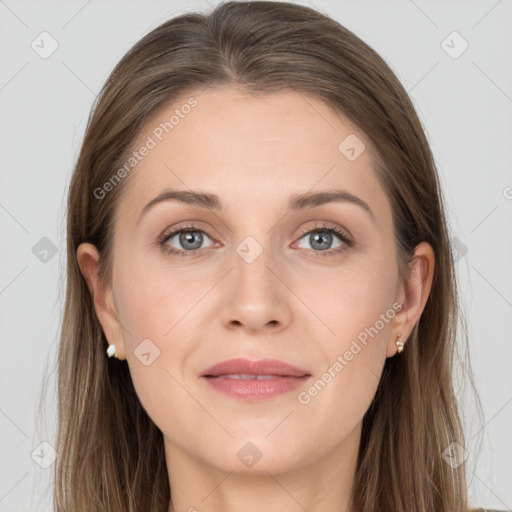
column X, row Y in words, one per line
column 243, row 148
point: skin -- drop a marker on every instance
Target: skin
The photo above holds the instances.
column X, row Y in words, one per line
column 291, row 303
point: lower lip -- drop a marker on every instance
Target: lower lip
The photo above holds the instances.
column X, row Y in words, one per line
column 254, row 389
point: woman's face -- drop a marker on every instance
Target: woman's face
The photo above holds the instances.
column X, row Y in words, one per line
column 254, row 279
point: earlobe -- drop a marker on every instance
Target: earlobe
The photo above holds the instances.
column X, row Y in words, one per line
column 414, row 294
column 88, row 261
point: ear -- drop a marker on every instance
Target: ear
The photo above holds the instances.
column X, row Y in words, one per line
column 88, row 261
column 413, row 295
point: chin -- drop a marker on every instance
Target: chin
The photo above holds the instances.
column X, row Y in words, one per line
column 256, row 455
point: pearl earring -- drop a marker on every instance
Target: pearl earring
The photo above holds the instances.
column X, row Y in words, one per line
column 399, row 344
column 111, row 351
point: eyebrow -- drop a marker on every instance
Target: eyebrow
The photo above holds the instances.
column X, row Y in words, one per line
column 296, row 202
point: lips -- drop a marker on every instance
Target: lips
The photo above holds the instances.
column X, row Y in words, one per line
column 253, row 381
column 244, row 369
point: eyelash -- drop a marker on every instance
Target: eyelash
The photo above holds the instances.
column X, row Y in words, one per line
column 162, row 241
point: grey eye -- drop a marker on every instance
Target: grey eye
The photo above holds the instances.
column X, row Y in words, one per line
column 190, row 240
column 319, row 240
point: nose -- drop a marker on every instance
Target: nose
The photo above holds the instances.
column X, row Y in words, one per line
column 256, row 297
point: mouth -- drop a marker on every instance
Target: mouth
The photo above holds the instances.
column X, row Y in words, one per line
column 254, row 380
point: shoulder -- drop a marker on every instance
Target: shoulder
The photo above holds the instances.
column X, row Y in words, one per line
column 487, row 510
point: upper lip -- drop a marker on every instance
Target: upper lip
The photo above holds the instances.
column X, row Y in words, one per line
column 248, row 367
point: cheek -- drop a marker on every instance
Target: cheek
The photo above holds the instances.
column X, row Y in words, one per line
column 357, row 306
column 345, row 385
column 154, row 307
column 152, row 298
column 355, row 297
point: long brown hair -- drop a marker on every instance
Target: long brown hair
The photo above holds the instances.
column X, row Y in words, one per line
column 111, row 455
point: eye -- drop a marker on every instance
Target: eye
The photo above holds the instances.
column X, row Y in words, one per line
column 188, row 238
column 320, row 240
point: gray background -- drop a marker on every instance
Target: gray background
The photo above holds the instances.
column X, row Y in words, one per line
column 465, row 104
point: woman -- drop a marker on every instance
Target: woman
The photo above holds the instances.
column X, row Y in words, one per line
column 257, row 240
